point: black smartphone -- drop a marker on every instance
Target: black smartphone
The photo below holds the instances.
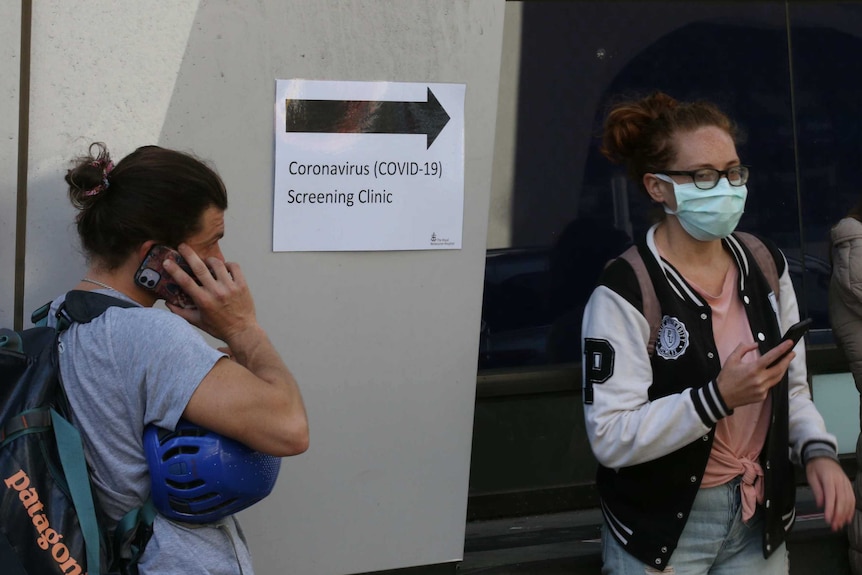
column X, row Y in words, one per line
column 152, row 275
column 794, row 333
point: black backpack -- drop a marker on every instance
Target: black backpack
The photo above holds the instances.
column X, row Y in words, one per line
column 51, row 523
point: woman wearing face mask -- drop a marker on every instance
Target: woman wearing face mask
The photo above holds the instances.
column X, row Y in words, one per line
column 692, row 436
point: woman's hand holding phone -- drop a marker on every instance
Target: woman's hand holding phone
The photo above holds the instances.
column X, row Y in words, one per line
column 225, row 307
column 744, row 382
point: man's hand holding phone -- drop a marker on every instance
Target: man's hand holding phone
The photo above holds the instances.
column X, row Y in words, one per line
column 224, row 306
column 151, row 275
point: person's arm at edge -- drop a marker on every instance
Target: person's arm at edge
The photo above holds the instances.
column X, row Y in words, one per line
column 814, row 447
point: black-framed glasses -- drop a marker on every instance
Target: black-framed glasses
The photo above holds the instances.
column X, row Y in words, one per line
column 707, row 178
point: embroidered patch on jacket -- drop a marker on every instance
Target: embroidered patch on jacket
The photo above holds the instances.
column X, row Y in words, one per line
column 672, row 338
column 598, row 364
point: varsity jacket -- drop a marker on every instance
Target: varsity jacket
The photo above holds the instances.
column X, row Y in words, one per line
column 651, row 419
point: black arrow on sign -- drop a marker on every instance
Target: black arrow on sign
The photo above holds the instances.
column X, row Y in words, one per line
column 367, row 117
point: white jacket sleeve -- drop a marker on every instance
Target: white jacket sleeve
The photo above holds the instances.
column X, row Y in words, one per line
column 808, row 435
column 624, row 427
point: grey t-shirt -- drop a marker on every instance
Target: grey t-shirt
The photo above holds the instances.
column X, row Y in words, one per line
column 128, row 368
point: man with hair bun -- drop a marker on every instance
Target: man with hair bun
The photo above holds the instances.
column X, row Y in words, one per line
column 132, row 370
column 691, row 425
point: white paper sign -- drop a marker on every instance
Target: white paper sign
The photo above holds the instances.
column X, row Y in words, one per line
column 368, row 166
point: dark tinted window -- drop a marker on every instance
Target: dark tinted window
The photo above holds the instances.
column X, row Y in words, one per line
column 795, row 97
column 826, row 39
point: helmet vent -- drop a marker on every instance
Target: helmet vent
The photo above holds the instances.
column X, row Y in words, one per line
column 191, row 432
column 192, row 507
column 165, row 435
column 180, row 450
column 185, row 484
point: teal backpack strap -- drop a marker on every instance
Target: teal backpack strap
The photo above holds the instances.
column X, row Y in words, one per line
column 40, row 316
column 75, row 468
column 133, row 532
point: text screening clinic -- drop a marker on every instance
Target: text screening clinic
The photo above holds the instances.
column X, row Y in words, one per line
column 336, row 197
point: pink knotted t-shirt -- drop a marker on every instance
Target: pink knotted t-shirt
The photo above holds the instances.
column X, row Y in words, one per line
column 739, row 437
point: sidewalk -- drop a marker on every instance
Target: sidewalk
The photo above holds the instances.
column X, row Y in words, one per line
column 555, row 544
column 569, row 543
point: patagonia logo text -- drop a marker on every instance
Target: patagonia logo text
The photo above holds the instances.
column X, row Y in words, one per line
column 49, row 540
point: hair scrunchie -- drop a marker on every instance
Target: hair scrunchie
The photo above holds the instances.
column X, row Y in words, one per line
column 106, row 165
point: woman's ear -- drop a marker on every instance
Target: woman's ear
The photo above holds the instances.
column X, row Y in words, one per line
column 656, row 188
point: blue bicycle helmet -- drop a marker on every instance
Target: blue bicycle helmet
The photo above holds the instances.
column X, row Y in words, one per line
column 199, row 476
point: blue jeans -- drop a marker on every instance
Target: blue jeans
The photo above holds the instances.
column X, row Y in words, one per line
column 715, row 541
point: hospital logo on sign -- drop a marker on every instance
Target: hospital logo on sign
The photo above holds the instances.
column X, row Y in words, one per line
column 440, row 241
column 672, row 338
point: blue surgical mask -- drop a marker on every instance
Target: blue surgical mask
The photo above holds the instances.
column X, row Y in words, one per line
column 707, row 214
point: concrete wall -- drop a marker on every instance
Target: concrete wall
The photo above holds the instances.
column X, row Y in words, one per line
column 383, row 344
column 10, row 64
column 503, row 182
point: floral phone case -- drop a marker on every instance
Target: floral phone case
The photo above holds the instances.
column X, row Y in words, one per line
column 151, row 275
